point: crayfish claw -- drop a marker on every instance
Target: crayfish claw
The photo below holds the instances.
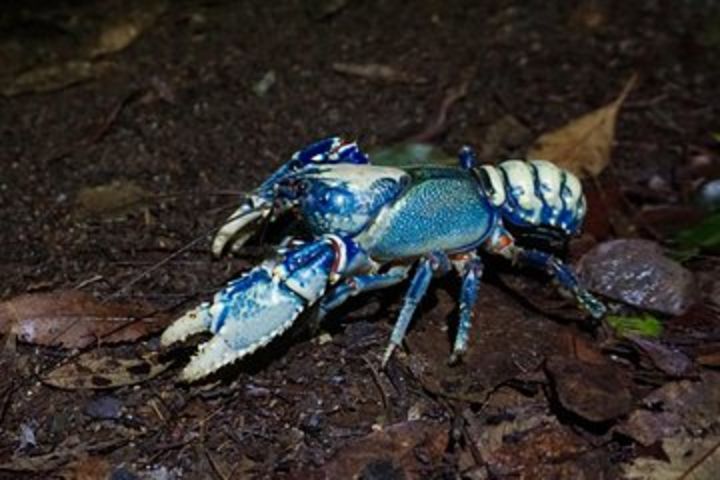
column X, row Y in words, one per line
column 211, row 356
column 194, row 321
column 239, row 226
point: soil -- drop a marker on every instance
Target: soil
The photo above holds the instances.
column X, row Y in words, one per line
column 179, row 115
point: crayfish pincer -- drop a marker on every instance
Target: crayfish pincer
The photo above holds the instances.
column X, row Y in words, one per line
column 373, row 226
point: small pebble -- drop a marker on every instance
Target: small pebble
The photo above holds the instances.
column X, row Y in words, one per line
column 105, row 408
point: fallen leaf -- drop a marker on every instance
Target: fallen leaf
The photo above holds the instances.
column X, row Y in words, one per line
column 593, row 392
column 52, row 62
column 689, row 459
column 517, row 437
column 122, row 30
column 670, row 361
column 709, row 359
column 71, row 448
column 583, row 145
column 704, row 236
column 675, row 409
column 94, row 370
column 391, row 451
column 89, row 468
column 377, row 72
column 507, row 340
column 546, row 451
column 74, row 319
column 644, row 325
column 636, row 272
column 115, row 199
column 47, row 78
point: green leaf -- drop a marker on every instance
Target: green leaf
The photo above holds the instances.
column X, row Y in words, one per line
column 703, row 236
column 411, row 154
column 644, row 325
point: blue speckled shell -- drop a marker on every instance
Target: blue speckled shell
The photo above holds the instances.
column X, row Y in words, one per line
column 442, row 209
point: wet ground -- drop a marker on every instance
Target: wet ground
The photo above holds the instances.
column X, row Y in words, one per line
column 210, row 98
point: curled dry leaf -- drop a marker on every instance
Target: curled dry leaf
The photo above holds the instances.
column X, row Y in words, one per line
column 73, row 319
column 583, row 145
column 95, row 371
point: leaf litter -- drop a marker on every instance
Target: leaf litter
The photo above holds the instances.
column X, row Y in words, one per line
column 584, row 145
column 95, row 370
column 75, row 319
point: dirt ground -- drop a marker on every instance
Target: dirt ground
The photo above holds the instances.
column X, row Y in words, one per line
column 209, row 99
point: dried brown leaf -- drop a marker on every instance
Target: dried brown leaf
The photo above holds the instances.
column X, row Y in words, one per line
column 378, row 72
column 709, row 359
column 689, row 459
column 48, row 78
column 118, row 33
column 89, row 468
column 392, row 449
column 583, row 145
column 68, row 450
column 74, row 319
column 593, row 392
column 95, row 371
column 116, row 198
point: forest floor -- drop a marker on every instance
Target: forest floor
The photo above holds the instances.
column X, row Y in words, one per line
column 128, row 131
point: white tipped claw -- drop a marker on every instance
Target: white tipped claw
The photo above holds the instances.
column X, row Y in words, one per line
column 244, row 217
column 211, row 356
column 193, row 321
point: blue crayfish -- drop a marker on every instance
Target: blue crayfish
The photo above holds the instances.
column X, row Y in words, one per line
column 370, row 225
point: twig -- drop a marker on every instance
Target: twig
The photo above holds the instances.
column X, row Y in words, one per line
column 101, row 130
column 440, row 122
column 381, row 389
column 6, row 402
column 215, row 467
